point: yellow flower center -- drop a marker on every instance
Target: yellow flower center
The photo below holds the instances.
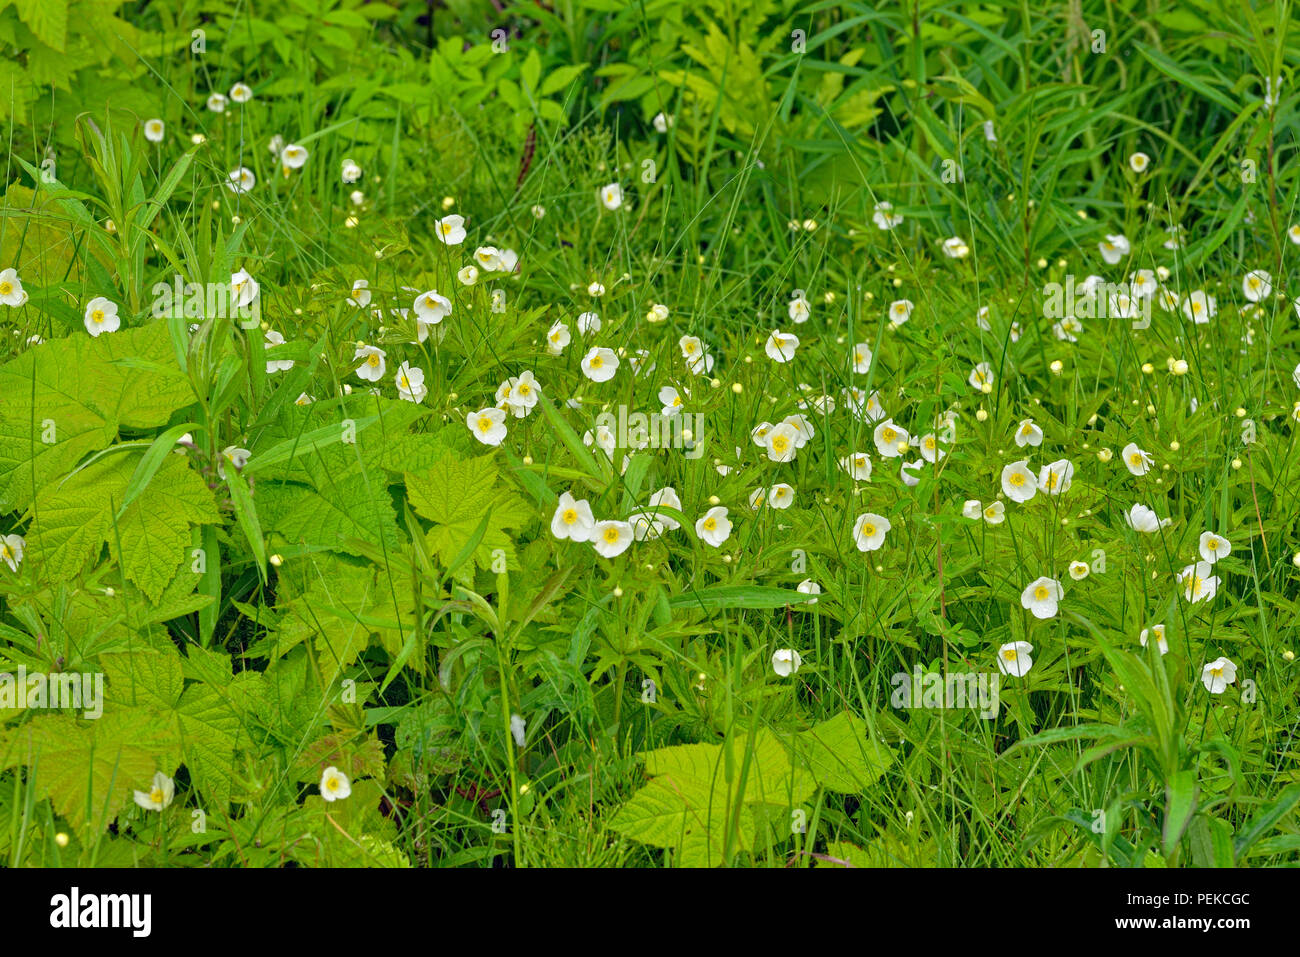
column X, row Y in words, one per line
column 710, row 524
column 484, row 424
column 868, row 530
column 780, row 443
column 1017, row 479
column 372, row 359
column 1041, row 593
column 570, row 516
column 611, row 534
column 97, row 315
column 1009, row 654
column 156, row 796
column 6, row 288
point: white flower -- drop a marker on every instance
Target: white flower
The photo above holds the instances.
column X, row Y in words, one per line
column 1114, row 248
column 1079, row 570
column 884, row 217
column 782, row 442
column 1018, row 483
column 858, row 465
column 910, row 473
column 611, row 538
column 274, row 338
column 101, row 316
column 1040, row 597
column 955, row 248
column 1218, row 674
column 714, row 527
column 599, row 365
column 557, row 337
column 1135, row 460
column 972, row 509
column 217, row 102
column 334, row 784
column 450, row 229
column 1257, row 285
column 350, row 172
column 596, row 289
column 588, row 322
column 799, row 310
column 243, row 289
column 803, row 428
column 611, row 196
column 1142, row 519
column 11, row 550
column 869, row 531
column 153, row 130
column 372, row 365
column 861, row 361
column 981, row 377
column 1028, row 434
column 241, row 93
column 1199, row 582
column 360, row 294
column 1199, row 308
column 1213, row 547
column 488, row 257
column 431, row 308
column 159, row 795
column 809, row 587
column 293, row 157
column 900, row 311
column 488, row 425
column 888, row 437
column 1014, row 658
column 573, row 519
column 523, row 393
column 786, row 661
column 780, row 496
column 235, row 456
column 1139, row 162
column 1159, row 632
column 11, row 288
column 666, row 497
column 671, row 400
column 1056, row 477
column 661, row 122
column 781, row 346
column 995, row 513
column 930, row 448
column 410, row 383
column 241, row 180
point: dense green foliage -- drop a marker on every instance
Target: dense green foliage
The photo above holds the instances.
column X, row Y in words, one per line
column 325, row 594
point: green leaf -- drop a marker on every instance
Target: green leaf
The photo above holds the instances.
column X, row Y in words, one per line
column 718, row 597
column 455, row 495
column 840, row 754
column 67, row 398
column 88, row 769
